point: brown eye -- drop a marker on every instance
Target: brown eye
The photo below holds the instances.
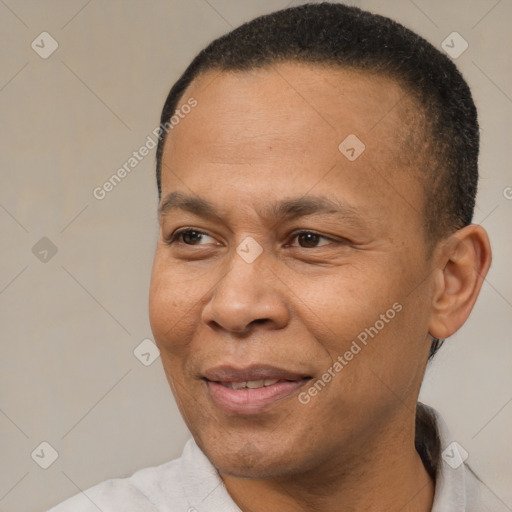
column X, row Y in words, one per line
column 310, row 240
column 191, row 237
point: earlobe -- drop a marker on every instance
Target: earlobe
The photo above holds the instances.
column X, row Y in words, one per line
column 464, row 261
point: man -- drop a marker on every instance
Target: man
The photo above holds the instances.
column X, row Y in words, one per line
column 317, row 173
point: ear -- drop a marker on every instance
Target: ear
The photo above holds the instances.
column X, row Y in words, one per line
column 463, row 263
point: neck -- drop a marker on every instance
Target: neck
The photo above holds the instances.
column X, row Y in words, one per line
column 386, row 474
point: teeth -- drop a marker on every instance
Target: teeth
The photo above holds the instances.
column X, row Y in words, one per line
column 238, row 385
column 252, row 384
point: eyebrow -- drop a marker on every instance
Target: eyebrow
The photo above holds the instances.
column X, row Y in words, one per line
column 193, row 204
column 286, row 209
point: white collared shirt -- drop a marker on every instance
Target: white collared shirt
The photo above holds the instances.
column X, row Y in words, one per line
column 192, row 484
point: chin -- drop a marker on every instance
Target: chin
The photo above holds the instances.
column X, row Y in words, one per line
column 251, row 459
column 246, row 466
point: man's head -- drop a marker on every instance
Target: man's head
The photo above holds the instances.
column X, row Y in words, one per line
column 312, row 214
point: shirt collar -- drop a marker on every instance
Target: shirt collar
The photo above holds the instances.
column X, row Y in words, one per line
column 450, row 470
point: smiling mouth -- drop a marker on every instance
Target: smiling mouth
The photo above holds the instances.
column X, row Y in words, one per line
column 252, row 384
column 236, row 397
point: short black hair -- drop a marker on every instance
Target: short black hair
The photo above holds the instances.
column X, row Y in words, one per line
column 347, row 37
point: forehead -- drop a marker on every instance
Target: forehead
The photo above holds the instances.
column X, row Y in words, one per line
column 285, row 126
column 339, row 98
column 289, row 104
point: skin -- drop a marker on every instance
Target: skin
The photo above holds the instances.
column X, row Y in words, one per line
column 257, row 138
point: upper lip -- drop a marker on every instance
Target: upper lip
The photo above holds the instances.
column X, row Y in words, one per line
column 227, row 373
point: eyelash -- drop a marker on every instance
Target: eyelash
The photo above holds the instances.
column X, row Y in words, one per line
column 174, row 237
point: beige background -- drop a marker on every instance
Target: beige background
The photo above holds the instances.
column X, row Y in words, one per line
column 69, row 325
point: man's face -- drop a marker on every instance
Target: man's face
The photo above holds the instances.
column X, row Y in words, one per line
column 342, row 268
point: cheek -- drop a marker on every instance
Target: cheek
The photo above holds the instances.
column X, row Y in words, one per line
column 369, row 305
column 174, row 304
column 340, row 305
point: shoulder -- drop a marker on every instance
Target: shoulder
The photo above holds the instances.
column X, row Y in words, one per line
column 144, row 491
column 185, row 485
column 480, row 497
column 458, row 488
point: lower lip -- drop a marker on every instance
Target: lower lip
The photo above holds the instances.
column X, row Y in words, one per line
column 251, row 401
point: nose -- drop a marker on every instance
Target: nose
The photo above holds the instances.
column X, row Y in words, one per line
column 247, row 295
